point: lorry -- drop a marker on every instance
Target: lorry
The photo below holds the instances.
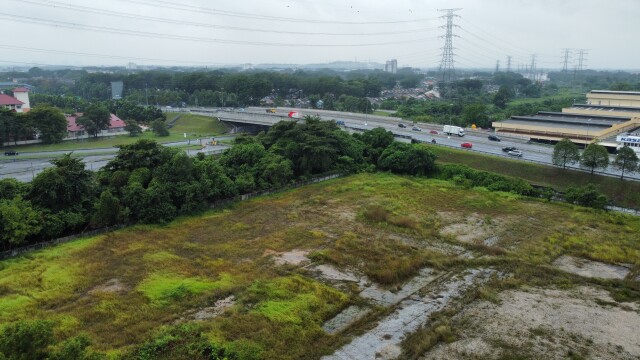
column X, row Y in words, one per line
column 453, row 130
column 271, row 111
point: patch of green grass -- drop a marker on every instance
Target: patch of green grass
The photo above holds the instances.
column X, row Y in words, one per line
column 295, row 299
column 197, row 125
column 162, row 288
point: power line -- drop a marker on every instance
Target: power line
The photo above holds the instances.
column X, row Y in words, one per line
column 446, row 65
column 200, row 10
column 23, row 19
column 86, row 9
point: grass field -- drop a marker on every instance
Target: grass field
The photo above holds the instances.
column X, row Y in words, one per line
column 623, row 193
column 195, row 126
column 120, row 288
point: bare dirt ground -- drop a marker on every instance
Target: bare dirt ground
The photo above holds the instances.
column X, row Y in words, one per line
column 581, row 323
column 591, row 269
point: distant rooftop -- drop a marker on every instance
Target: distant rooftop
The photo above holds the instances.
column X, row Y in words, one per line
column 9, row 100
column 567, row 120
column 606, row 107
column 615, row 92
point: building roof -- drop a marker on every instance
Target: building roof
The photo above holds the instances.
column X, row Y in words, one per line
column 604, row 108
column 9, row 100
column 20, row 89
column 568, row 120
column 114, row 123
column 612, row 92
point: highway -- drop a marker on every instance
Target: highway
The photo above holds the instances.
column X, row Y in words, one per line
column 534, row 152
column 26, row 169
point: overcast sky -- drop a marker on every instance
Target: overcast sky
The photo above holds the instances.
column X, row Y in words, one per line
column 203, row 32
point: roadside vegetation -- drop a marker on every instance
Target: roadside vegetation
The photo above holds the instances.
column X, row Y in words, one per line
column 625, row 194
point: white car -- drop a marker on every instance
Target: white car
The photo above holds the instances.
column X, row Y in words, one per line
column 516, row 153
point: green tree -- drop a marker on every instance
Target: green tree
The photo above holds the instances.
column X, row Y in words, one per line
column 565, row 152
column 503, row 96
column 18, row 221
column 133, row 128
column 66, row 187
column 159, row 127
column 49, row 122
column 595, row 157
column 414, row 159
column 626, row 161
column 95, row 119
column 476, row 114
column 106, row 211
column 26, row 340
column 375, row 142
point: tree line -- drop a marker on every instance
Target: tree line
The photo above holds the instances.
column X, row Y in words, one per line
column 150, row 183
column 46, row 120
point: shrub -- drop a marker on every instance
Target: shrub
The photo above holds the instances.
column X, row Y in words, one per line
column 26, row 340
column 376, row 213
column 587, row 195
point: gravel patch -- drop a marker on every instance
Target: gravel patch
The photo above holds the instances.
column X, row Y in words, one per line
column 545, row 324
column 383, row 341
column 591, row 269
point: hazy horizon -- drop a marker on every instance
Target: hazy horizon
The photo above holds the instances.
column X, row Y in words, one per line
column 196, row 33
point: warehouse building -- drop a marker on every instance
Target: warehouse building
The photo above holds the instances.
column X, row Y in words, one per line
column 608, row 117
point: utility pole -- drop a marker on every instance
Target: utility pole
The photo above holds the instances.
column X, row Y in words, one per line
column 446, row 65
column 497, row 65
column 566, row 57
column 508, row 63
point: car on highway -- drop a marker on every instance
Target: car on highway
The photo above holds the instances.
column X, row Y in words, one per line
column 340, row 122
column 10, row 153
column 415, row 128
column 493, row 138
column 435, row 132
column 402, row 125
column 509, row 148
column 516, row 153
column 466, row 145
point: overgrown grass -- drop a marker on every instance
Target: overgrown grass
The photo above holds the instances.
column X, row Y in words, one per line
column 379, row 225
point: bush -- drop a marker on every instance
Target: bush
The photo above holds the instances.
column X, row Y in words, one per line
column 465, row 176
column 587, row 195
column 26, row 340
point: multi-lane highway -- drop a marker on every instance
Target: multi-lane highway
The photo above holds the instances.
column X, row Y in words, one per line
column 25, row 170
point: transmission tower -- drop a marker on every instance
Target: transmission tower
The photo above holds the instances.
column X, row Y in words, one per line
column 509, row 63
column 446, row 65
column 566, row 56
column 582, row 58
column 497, row 65
column 532, row 69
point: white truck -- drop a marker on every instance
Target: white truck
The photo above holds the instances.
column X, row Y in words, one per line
column 453, row 130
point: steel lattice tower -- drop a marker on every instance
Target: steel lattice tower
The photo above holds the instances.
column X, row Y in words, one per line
column 566, row 56
column 446, row 65
column 509, row 63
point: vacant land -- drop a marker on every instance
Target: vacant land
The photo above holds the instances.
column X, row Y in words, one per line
column 372, row 264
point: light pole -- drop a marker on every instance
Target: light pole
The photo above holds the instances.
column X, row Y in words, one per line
column 450, row 111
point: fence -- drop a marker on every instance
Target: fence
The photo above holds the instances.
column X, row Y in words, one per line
column 216, row 204
column 41, row 245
